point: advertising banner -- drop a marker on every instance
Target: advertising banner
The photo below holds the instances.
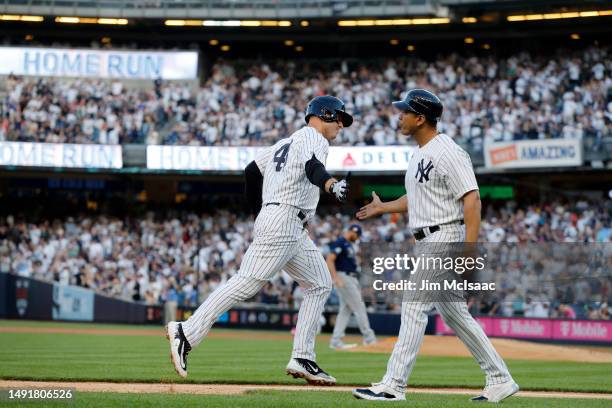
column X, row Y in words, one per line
column 26, row 298
column 582, row 330
column 72, row 303
column 539, row 329
column 202, row 158
column 533, row 154
column 369, row 158
column 61, row 155
column 65, row 62
column 340, row 158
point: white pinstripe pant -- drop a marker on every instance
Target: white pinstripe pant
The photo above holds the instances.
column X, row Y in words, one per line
column 455, row 315
column 280, row 242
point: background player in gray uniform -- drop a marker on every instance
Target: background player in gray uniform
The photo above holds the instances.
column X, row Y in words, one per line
column 442, row 196
column 342, row 263
column 282, row 185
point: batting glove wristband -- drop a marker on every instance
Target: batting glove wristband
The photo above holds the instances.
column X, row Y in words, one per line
column 339, row 189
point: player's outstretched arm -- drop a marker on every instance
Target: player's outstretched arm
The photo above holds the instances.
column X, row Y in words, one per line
column 377, row 207
column 317, row 175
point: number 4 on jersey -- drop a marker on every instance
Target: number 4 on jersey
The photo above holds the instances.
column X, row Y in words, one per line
column 280, row 156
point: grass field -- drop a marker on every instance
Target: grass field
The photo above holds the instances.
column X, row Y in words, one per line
column 245, row 358
column 322, row 399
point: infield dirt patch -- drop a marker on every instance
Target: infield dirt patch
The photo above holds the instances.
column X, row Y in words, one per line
column 451, row 346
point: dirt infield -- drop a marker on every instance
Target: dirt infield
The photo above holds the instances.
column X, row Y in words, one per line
column 235, row 389
column 451, row 346
column 444, row 346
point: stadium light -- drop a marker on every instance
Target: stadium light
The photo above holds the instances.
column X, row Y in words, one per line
column 222, row 23
column 33, row 19
column 91, row 20
column 113, row 21
column 392, row 22
column 67, row 20
column 555, row 16
column 228, row 23
column 29, row 19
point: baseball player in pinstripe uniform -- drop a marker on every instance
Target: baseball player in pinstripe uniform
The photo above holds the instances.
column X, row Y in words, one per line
column 342, row 264
column 282, row 186
column 443, row 206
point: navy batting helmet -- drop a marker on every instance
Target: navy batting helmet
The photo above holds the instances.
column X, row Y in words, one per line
column 356, row 228
column 421, row 102
column 328, row 108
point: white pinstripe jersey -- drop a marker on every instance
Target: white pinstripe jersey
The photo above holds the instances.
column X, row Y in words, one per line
column 438, row 175
column 283, row 168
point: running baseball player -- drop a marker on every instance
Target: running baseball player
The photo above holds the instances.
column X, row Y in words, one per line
column 443, row 206
column 282, row 185
column 342, row 264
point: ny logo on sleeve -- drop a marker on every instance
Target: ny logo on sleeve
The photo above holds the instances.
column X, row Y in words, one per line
column 423, row 170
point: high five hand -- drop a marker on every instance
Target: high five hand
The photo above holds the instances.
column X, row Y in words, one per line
column 372, row 209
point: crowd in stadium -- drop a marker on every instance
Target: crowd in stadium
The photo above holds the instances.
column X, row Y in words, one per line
column 523, row 96
column 183, row 257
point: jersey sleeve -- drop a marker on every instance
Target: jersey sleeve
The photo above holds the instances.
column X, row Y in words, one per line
column 262, row 158
column 457, row 166
column 314, row 144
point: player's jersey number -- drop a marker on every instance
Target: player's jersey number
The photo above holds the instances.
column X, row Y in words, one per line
column 280, row 156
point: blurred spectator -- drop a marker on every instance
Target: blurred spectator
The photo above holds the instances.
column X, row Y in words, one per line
column 523, row 96
column 182, row 258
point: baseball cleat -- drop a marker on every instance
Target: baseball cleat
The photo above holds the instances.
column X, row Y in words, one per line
column 379, row 392
column 310, row 371
column 179, row 347
column 370, row 341
column 497, row 393
column 340, row 345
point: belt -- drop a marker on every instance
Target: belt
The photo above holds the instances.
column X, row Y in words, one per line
column 300, row 214
column 423, row 232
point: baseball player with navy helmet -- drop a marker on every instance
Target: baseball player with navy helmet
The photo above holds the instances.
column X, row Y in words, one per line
column 342, row 263
column 282, row 185
column 443, row 206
